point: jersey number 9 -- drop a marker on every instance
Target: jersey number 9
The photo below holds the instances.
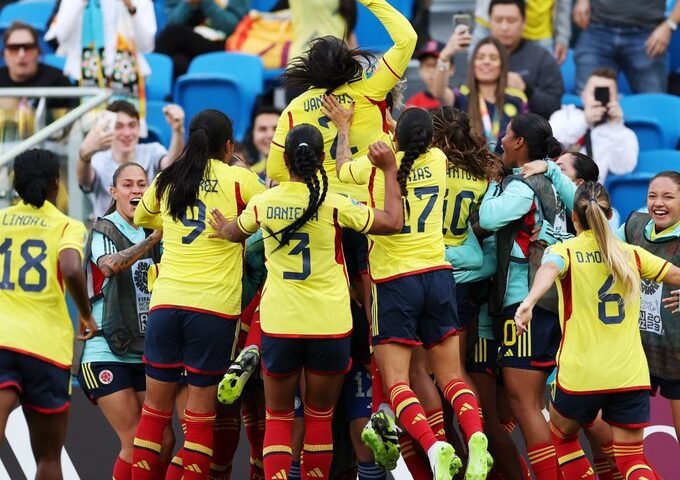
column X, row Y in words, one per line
column 196, row 221
column 32, row 262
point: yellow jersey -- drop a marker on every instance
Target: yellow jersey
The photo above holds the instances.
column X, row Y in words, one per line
column 312, row 19
column 464, row 193
column 201, row 273
column 306, row 292
column 601, row 350
column 35, row 320
column 419, row 247
column 539, row 19
column 368, row 94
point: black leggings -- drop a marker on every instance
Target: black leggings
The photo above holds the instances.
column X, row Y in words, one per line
column 182, row 44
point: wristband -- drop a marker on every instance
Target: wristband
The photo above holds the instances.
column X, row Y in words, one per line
column 671, row 24
column 443, row 64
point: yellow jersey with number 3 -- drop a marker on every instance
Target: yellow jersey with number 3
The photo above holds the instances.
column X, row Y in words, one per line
column 419, row 247
column 464, row 193
column 306, row 292
column 35, row 320
column 201, row 273
column 601, row 350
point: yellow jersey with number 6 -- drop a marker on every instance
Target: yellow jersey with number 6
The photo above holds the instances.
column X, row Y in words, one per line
column 35, row 320
column 601, row 350
column 201, row 273
column 306, row 292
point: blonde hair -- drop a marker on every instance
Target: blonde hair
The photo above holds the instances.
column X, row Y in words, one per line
column 592, row 206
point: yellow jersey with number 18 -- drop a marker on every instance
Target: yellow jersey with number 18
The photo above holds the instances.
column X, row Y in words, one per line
column 306, row 292
column 35, row 320
column 201, row 273
column 601, row 350
column 419, row 247
column 464, row 193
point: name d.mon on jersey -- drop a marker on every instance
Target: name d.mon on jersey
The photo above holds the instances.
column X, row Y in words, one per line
column 287, row 213
column 23, row 220
column 589, row 257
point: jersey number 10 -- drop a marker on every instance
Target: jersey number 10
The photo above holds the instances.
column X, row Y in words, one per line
column 32, row 261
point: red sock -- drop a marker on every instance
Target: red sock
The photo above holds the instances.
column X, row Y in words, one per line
column 146, row 464
column 198, row 445
column 277, row 454
column 410, row 413
column 435, row 419
column 226, row 434
column 122, row 470
column 603, row 468
column 608, row 449
column 417, row 465
column 570, row 456
column 543, row 460
column 249, row 412
column 378, row 388
column 465, row 405
column 631, row 461
column 318, row 447
column 175, row 470
column 255, row 329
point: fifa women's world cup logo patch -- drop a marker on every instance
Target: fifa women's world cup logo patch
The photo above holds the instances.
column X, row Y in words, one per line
column 650, row 307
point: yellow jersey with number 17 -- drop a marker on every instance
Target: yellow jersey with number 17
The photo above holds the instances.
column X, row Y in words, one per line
column 601, row 350
column 464, row 193
column 368, row 94
column 35, row 320
column 201, row 273
column 306, row 292
column 419, row 247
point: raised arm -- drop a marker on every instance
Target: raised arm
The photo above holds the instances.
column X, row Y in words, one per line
column 115, row 263
column 497, row 210
column 390, row 219
column 544, row 279
column 342, row 119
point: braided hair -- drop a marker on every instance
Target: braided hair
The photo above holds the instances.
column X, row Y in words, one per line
column 414, row 136
column 304, row 153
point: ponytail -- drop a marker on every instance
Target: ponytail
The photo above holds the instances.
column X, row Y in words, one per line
column 592, row 205
column 414, row 136
column 35, row 173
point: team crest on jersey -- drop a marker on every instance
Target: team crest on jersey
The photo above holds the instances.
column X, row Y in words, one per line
column 105, row 377
column 141, row 277
column 649, row 287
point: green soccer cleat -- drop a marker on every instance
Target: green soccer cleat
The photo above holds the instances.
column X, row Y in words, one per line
column 443, row 461
column 479, row 460
column 380, row 435
column 231, row 385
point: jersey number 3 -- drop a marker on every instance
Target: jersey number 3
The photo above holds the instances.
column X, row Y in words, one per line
column 302, row 248
column 33, row 252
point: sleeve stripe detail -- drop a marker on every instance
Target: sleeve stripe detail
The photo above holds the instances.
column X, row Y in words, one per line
column 390, row 68
column 278, row 145
column 662, row 272
column 290, row 119
column 242, row 228
column 368, row 221
column 147, row 208
column 349, row 167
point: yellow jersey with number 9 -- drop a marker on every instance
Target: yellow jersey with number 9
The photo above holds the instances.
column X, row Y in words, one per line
column 464, row 192
column 306, row 292
column 419, row 247
column 35, row 320
column 601, row 350
column 201, row 273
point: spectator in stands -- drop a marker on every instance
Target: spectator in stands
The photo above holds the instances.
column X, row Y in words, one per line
column 548, row 24
column 427, row 58
column 196, row 27
column 101, row 153
column 598, row 130
column 103, row 42
column 261, row 134
column 629, row 35
column 21, row 52
column 533, row 70
column 486, row 96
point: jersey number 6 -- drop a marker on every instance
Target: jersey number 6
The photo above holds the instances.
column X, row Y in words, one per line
column 605, row 298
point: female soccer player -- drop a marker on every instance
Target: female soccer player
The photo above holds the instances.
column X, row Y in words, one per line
column 41, row 250
column 601, row 363
column 514, row 212
column 196, row 298
column 305, row 264
column 120, row 255
column 658, row 232
column 414, row 293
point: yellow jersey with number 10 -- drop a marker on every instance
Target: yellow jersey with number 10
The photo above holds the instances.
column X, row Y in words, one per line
column 601, row 350
column 201, row 273
column 464, row 193
column 35, row 320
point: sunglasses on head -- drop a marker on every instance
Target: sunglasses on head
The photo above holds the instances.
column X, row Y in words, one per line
column 15, row 47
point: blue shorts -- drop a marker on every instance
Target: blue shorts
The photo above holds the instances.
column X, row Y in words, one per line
column 415, row 309
column 537, row 348
column 669, row 389
column 465, row 303
column 199, row 342
column 620, row 409
column 98, row 379
column 42, row 386
column 356, row 393
column 323, row 356
column 483, row 358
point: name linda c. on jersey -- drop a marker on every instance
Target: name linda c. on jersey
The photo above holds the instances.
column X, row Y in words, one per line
column 23, row 220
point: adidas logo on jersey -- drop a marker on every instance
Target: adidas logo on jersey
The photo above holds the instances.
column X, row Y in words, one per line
column 419, row 418
column 280, row 475
column 143, row 464
column 193, row 468
column 316, row 473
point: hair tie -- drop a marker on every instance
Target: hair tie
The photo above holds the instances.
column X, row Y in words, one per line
column 592, row 199
column 303, row 144
column 205, row 130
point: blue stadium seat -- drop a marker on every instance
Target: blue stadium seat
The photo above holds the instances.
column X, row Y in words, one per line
column 628, row 192
column 674, row 54
column 655, row 161
column 159, row 83
column 263, row 5
column 371, row 35
column 572, row 99
column 35, row 13
column 226, row 81
column 655, row 118
column 161, row 16
column 568, row 69
column 624, row 86
column 54, row 61
column 159, row 130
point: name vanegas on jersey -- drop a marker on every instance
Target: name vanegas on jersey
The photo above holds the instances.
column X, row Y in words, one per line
column 316, row 103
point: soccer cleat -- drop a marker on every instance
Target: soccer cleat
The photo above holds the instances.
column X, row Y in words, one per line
column 443, row 461
column 231, row 385
column 479, row 461
column 381, row 436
